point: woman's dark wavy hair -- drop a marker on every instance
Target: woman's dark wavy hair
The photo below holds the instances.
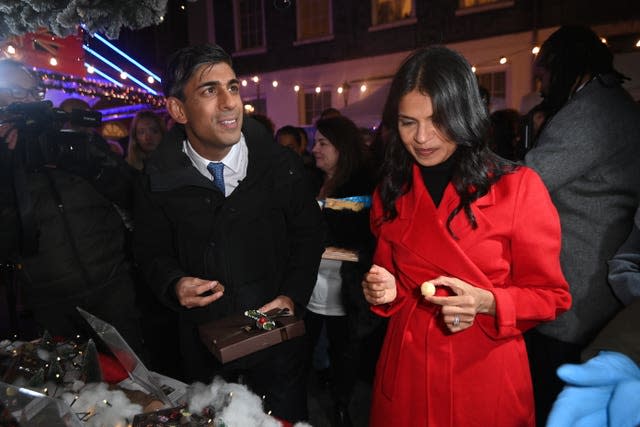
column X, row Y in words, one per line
column 459, row 115
column 570, row 54
column 344, row 135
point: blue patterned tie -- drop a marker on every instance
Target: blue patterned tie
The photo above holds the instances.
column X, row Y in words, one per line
column 215, row 169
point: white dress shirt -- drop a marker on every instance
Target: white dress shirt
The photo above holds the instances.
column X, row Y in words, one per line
column 235, row 163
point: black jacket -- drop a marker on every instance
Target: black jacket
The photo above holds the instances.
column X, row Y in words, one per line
column 265, row 239
column 79, row 244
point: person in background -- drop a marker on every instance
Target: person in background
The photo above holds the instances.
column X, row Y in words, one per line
column 289, row 136
column 330, row 112
column 58, row 219
column 292, row 137
column 624, row 267
column 588, row 156
column 504, row 134
column 146, row 132
column 225, row 221
column 337, row 303
column 467, row 257
column 604, row 389
column 265, row 121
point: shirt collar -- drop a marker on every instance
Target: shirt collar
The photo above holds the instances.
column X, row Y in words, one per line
column 233, row 159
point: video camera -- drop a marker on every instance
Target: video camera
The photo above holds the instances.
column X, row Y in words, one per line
column 40, row 134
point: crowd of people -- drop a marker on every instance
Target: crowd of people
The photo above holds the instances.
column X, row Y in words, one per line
column 497, row 254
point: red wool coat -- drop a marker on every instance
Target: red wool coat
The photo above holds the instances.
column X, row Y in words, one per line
column 427, row 376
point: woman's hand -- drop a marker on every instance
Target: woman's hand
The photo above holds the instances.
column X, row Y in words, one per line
column 459, row 310
column 379, row 286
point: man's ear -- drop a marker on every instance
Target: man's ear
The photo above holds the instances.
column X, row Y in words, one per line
column 175, row 107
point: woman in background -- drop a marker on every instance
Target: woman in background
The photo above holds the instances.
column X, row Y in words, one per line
column 145, row 134
column 337, row 302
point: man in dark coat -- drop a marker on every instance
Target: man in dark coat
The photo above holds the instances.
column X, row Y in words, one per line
column 588, row 156
column 225, row 221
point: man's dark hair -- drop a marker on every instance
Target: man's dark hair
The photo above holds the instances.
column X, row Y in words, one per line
column 184, row 62
column 290, row 130
column 568, row 55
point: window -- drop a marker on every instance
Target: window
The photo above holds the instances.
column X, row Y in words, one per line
column 249, row 19
column 314, row 104
column 496, row 84
column 314, row 19
column 472, row 6
column 390, row 11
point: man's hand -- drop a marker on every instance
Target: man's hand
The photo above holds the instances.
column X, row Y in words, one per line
column 9, row 135
column 194, row 292
column 379, row 286
column 281, row 301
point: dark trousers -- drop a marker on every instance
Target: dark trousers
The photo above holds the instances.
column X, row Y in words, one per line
column 343, row 353
column 279, row 373
column 546, row 354
column 114, row 303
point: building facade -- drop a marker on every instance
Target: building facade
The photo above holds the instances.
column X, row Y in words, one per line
column 297, row 57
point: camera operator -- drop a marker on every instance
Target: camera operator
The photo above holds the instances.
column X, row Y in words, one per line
column 58, row 222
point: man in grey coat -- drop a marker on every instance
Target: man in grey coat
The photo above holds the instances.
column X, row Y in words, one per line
column 588, row 155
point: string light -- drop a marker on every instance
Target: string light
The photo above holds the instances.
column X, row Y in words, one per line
column 11, row 50
column 151, row 80
column 503, row 60
column 255, row 79
column 243, row 83
column 53, row 61
column 473, row 69
column 123, row 75
column 274, row 83
column 535, row 50
column 363, row 88
column 97, row 88
column 296, row 88
column 603, row 40
column 638, row 43
column 340, row 90
column 318, row 89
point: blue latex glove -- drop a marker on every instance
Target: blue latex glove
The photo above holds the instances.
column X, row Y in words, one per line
column 584, row 402
column 624, row 407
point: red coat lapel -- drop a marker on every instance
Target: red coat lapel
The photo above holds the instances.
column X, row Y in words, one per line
column 426, row 233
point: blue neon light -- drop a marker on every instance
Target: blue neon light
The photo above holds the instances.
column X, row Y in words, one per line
column 115, row 67
column 100, row 73
column 127, row 57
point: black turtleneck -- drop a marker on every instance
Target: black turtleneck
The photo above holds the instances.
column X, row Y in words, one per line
column 437, row 177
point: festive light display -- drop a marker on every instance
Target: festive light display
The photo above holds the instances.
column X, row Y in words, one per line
column 97, row 88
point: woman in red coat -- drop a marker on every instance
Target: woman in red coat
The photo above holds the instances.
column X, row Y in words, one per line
column 480, row 229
